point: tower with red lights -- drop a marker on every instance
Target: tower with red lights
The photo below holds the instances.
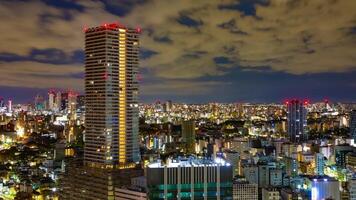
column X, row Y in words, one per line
column 111, row 93
column 297, row 120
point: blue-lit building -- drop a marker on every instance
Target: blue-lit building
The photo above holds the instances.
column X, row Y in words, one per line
column 189, row 178
column 323, row 187
column 297, row 120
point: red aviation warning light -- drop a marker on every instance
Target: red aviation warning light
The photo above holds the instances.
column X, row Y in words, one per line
column 286, row 102
column 85, row 29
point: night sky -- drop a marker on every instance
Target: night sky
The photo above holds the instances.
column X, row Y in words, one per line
column 191, row 51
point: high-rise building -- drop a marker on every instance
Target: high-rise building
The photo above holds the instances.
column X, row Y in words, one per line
column 340, row 154
column 58, row 101
column 353, row 125
column 51, row 100
column 111, row 96
column 39, row 102
column 168, row 106
column 319, row 164
column 188, row 136
column 9, row 106
column 190, row 178
column 297, row 120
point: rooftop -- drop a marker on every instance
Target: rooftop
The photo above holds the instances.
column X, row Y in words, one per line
column 189, row 162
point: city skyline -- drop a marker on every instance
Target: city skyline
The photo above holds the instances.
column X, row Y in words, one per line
column 246, row 52
column 178, row 100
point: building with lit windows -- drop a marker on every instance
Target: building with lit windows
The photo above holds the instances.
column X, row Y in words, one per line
column 270, row 194
column 353, row 124
column 111, row 94
column 319, row 164
column 243, row 190
column 188, row 136
column 297, row 120
column 189, row 178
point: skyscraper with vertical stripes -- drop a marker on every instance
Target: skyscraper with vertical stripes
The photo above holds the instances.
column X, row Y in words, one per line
column 111, row 92
column 297, row 120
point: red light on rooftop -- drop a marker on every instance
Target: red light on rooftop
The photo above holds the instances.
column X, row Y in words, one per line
column 85, row 29
column 138, row 30
column 286, row 102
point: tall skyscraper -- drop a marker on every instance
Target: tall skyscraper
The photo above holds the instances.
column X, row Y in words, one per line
column 51, row 99
column 111, row 93
column 188, row 136
column 297, row 120
column 353, row 124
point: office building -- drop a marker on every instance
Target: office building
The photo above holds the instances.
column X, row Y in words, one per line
column 340, row 154
column 82, row 182
column 297, row 121
column 111, row 96
column 323, row 187
column 188, row 136
column 189, row 178
column 243, row 190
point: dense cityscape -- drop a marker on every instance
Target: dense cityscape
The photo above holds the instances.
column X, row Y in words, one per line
column 295, row 149
column 106, row 143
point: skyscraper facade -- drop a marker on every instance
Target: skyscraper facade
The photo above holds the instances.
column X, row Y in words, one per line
column 111, row 93
column 297, row 120
column 188, row 136
column 353, row 124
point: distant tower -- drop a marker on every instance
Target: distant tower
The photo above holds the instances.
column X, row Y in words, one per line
column 2, row 103
column 297, row 120
column 39, row 102
column 188, row 136
column 111, row 96
column 58, row 101
column 9, row 106
column 51, row 100
column 353, row 125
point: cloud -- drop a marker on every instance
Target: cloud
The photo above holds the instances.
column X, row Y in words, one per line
column 28, row 74
column 293, row 36
column 183, row 39
column 36, row 25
